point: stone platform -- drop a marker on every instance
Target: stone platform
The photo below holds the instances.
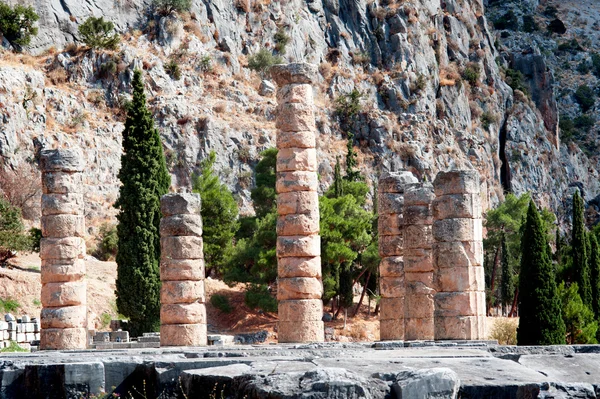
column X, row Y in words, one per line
column 326, row 370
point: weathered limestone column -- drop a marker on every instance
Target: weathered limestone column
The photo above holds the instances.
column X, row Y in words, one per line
column 62, row 248
column 418, row 262
column 391, row 250
column 299, row 288
column 182, row 300
column 458, row 256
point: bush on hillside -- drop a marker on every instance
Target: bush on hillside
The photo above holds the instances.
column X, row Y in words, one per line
column 17, row 24
column 262, row 61
column 167, row 7
column 99, row 34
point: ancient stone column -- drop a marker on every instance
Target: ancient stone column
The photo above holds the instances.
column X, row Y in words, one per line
column 62, row 248
column 458, row 256
column 299, row 285
column 418, row 262
column 182, row 300
column 391, row 250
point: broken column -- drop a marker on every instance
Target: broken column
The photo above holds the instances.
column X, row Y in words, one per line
column 182, row 299
column 391, row 250
column 418, row 262
column 458, row 256
column 62, row 248
column 300, row 288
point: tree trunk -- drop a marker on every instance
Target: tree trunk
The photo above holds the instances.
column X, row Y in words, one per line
column 337, row 312
column 513, row 310
column 362, row 295
column 376, row 311
column 345, row 317
column 493, row 280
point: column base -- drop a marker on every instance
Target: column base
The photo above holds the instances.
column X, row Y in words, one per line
column 63, row 338
column 183, row 335
column 301, row 331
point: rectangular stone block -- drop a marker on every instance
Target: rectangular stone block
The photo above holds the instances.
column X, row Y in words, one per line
column 182, row 292
column 296, row 181
column 70, row 248
column 61, row 204
column 459, row 328
column 457, row 254
column 55, row 271
column 457, row 182
column 300, row 331
column 20, row 337
column 181, row 269
column 299, row 267
column 62, row 183
column 183, row 313
column 395, row 182
column 419, row 263
column 418, row 236
column 63, row 338
column 298, row 224
column 457, row 206
column 295, row 117
column 296, row 93
column 419, row 277
column 454, row 304
column 419, row 194
column 298, row 246
column 416, row 329
column 299, row 288
column 392, row 266
column 59, row 226
column 417, row 215
column 64, row 317
column 391, row 308
column 182, row 247
column 306, row 139
column 64, row 159
column 298, row 202
column 459, row 279
column 392, row 287
column 450, row 230
column 64, row 294
column 300, row 310
column 391, row 330
column 390, row 203
column 292, row 159
column 390, row 225
column 180, row 203
column 29, row 337
column 419, row 306
column 391, row 246
column 183, row 335
column 181, row 225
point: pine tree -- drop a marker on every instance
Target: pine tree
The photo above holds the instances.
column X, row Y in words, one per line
column 507, row 288
column 540, row 320
column 580, row 251
column 144, row 179
column 264, row 195
column 595, row 274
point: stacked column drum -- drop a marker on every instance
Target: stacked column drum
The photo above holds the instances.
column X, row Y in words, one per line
column 62, row 249
column 300, row 288
column 182, row 299
column 458, row 256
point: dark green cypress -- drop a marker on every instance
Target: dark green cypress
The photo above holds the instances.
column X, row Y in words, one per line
column 144, row 177
column 352, row 174
column 540, row 320
column 580, row 252
column 337, row 179
column 507, row 288
column 595, row 274
column 346, row 291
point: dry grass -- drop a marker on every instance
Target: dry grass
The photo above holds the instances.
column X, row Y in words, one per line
column 57, row 76
column 505, row 331
column 220, row 107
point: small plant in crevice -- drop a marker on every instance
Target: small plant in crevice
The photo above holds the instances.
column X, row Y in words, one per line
column 487, row 119
column 471, row 73
column 348, row 105
column 205, row 64
column 262, row 61
column 419, row 84
column 281, row 40
column 173, row 70
column 515, row 79
column 585, row 97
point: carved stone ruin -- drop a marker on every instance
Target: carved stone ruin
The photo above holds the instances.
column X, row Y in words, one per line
column 458, row 256
column 182, row 299
column 62, row 248
column 299, row 288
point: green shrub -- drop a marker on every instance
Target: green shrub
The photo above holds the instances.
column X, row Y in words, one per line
column 585, row 97
column 567, row 128
column 471, row 73
column 107, row 69
column 281, row 40
column 36, row 237
column 596, row 64
column 584, row 67
column 570, row 46
column 515, row 80
column 13, row 347
column 584, row 122
column 167, row 7
column 507, row 21
column 109, row 242
column 221, row 302
column 550, row 11
column 99, row 34
column 487, row 118
column 205, row 64
column 529, row 24
column 172, row 68
column 262, row 61
column 105, row 319
column 348, row 105
column 9, row 305
column 17, row 24
column 258, row 296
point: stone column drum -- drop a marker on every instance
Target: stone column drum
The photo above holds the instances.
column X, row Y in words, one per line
column 458, row 256
column 299, row 288
column 391, row 250
column 182, row 299
column 418, row 262
column 62, row 248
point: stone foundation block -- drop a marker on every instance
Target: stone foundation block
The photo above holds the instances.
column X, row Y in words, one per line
column 425, row 278
column 450, row 230
column 181, row 203
column 304, row 139
column 418, row 264
column 454, row 304
column 457, row 182
column 298, row 202
column 392, row 287
column 64, row 317
column 299, row 288
column 419, row 329
column 459, row 328
column 299, row 267
column 183, row 313
column 183, row 335
column 391, row 308
column 60, row 226
column 459, row 279
column 390, row 203
column 296, row 181
column 181, row 225
column 291, row 159
column 419, row 306
column 298, row 246
column 298, row 224
column 63, row 294
column 295, row 117
column 68, row 249
column 181, row 269
column 390, row 225
column 392, row 266
column 172, row 292
column 301, row 310
column 391, row 245
column 300, row 331
column 295, row 73
column 419, row 194
column 66, row 160
column 418, row 236
column 61, row 204
column 182, row 247
column 62, row 183
column 417, row 214
column 391, row 330
column 395, row 182
column 63, row 338
column 457, row 254
column 55, row 271
column 457, row 206
column 295, row 93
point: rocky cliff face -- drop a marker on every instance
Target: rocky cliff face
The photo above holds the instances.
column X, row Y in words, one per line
column 432, row 80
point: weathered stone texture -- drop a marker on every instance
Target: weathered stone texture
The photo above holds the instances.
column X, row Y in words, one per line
column 63, row 338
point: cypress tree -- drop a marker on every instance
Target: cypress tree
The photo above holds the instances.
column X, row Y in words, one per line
column 144, row 179
column 507, row 288
column 540, row 320
column 337, row 179
column 352, row 174
column 595, row 272
column 580, row 252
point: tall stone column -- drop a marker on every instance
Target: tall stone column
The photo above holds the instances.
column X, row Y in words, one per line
column 418, row 262
column 458, row 256
column 391, row 250
column 62, row 248
column 299, row 285
column 182, row 299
